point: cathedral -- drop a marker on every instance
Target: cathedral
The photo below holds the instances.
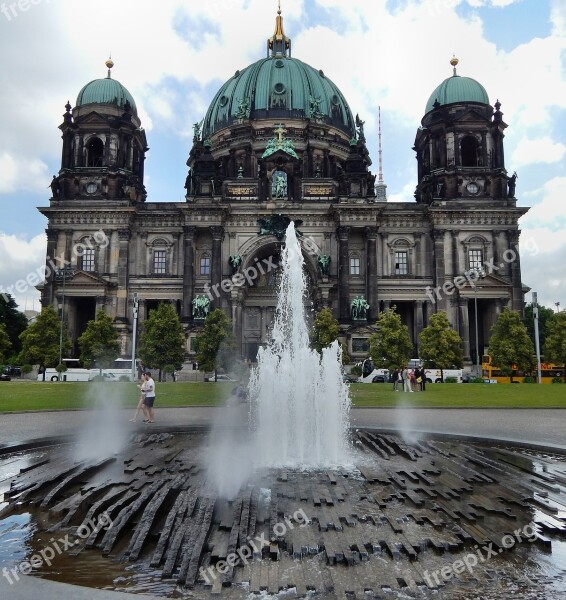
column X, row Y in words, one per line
column 280, row 144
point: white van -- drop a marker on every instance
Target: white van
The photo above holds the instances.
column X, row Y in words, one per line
column 434, row 375
column 376, row 376
column 72, row 374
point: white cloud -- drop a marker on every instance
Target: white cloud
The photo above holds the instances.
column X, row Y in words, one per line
column 21, row 263
column 541, row 150
column 18, row 173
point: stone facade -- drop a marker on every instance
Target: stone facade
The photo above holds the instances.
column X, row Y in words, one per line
column 246, row 180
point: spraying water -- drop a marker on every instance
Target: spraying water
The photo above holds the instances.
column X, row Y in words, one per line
column 299, row 402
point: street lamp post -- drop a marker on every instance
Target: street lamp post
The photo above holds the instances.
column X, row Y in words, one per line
column 61, row 275
column 134, row 334
column 537, row 343
column 557, row 304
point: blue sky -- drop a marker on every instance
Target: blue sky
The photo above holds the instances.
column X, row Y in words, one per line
column 173, row 55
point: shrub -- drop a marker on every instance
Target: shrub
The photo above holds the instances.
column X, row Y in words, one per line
column 124, row 378
column 529, row 379
column 557, row 380
column 450, row 380
column 476, row 380
column 26, row 369
column 61, row 368
column 356, row 370
column 98, row 378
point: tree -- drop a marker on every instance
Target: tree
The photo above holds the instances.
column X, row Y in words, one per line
column 100, row 342
column 545, row 316
column 216, row 344
column 14, row 321
column 5, row 343
column 162, row 342
column 510, row 345
column 325, row 330
column 391, row 346
column 440, row 345
column 40, row 341
column 555, row 347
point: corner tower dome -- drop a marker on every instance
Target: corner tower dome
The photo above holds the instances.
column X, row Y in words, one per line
column 457, row 90
column 106, row 91
column 278, row 87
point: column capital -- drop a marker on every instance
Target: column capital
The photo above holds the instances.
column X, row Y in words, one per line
column 438, row 235
column 513, row 235
column 52, row 235
column 189, row 231
column 343, row 232
column 124, row 235
column 371, row 233
column 217, row 232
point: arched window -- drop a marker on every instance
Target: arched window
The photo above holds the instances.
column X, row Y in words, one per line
column 205, row 264
column 469, row 147
column 94, row 152
column 401, row 251
column 160, row 250
column 476, row 251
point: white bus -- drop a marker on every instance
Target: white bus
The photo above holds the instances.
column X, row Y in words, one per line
column 73, row 372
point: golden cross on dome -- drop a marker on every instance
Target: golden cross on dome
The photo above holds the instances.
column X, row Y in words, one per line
column 280, row 131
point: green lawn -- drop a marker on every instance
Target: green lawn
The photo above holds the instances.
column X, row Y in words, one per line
column 33, row 395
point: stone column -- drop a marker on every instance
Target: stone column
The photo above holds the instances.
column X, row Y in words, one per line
column 424, row 256
column 188, row 272
column 371, row 267
column 439, row 265
column 418, row 321
column 123, row 272
column 464, row 329
column 216, row 267
column 69, row 248
column 51, row 264
column 386, row 305
column 380, row 254
column 456, row 267
column 515, row 268
column 344, row 272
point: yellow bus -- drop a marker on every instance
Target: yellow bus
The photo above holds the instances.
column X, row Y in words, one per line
column 548, row 372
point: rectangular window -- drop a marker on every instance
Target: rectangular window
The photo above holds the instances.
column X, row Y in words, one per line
column 88, row 260
column 401, row 263
column 355, row 267
column 205, row 265
column 360, row 345
column 160, row 262
column 475, row 258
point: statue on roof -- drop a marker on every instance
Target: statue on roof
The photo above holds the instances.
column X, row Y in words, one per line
column 360, row 125
column 316, row 113
column 197, row 128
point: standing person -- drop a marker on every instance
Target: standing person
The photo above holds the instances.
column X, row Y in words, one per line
column 423, row 377
column 141, row 401
column 406, row 380
column 149, row 398
column 418, row 379
column 395, row 379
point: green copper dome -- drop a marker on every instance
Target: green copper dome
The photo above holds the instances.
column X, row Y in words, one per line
column 276, row 88
column 457, row 89
column 106, row 91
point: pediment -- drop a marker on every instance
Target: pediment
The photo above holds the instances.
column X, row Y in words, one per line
column 490, row 281
column 94, row 118
column 82, row 278
column 472, row 115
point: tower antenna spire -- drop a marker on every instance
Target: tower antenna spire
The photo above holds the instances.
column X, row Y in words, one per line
column 380, row 188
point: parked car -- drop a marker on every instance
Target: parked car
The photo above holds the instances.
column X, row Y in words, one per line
column 380, row 379
column 222, row 377
column 349, row 379
column 4, row 377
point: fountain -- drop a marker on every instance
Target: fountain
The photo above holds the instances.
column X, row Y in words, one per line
column 296, row 507
column 299, row 401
